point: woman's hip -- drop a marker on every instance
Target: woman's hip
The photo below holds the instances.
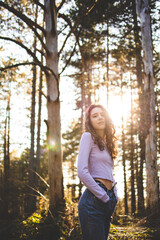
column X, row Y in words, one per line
column 90, row 203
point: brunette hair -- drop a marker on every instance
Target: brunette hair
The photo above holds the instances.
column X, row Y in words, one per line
column 109, row 131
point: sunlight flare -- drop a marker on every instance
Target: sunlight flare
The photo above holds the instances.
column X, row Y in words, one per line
column 117, row 107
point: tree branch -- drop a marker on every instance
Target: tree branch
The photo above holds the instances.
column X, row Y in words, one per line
column 41, row 52
column 36, row 61
column 39, row 4
column 157, row 71
column 64, row 43
column 90, row 9
column 72, row 27
column 68, row 61
column 60, row 6
column 43, row 68
column 68, row 21
column 22, row 16
column 28, row 21
column 18, row 42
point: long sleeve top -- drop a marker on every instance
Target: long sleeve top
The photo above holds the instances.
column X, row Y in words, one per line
column 94, row 163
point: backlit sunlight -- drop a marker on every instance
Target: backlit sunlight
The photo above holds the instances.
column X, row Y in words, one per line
column 118, row 108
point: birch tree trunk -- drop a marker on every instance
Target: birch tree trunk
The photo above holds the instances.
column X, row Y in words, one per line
column 150, row 125
column 53, row 106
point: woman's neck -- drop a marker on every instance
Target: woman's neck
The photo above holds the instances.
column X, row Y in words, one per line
column 101, row 134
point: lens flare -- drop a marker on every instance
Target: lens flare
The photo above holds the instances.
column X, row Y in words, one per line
column 53, row 145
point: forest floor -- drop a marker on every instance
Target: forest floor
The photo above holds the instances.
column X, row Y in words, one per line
column 129, row 228
column 135, row 231
column 126, row 228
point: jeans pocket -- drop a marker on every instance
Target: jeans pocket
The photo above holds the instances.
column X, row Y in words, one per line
column 99, row 205
column 112, row 205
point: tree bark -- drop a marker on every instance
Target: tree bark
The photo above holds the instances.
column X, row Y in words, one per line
column 138, row 48
column 6, row 183
column 132, row 165
column 32, row 194
column 107, row 80
column 53, row 107
column 150, row 124
column 123, row 158
column 38, row 154
column 5, row 176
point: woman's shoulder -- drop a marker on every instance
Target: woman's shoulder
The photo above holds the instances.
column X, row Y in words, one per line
column 87, row 136
column 86, row 139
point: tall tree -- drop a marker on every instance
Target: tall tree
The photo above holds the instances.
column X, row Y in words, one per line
column 143, row 12
column 132, row 165
column 138, row 57
column 53, row 102
column 53, row 106
column 6, row 182
column 39, row 119
column 32, row 195
column 123, row 154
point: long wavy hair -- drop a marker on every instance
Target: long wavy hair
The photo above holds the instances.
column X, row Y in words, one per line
column 109, row 132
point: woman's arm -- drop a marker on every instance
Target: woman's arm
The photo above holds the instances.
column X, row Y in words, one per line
column 83, row 172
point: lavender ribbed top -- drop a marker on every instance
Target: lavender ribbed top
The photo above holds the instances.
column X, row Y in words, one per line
column 94, row 163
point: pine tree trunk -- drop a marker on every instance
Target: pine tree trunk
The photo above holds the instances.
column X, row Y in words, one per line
column 150, row 125
column 123, row 158
column 5, row 176
column 39, row 120
column 53, row 106
column 140, row 187
column 158, row 127
column 39, row 128
column 6, row 183
column 82, row 102
column 32, row 194
column 133, row 199
column 107, row 80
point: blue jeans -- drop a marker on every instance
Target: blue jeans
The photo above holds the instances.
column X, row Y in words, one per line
column 95, row 216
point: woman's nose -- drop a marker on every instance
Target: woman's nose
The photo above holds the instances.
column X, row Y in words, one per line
column 99, row 116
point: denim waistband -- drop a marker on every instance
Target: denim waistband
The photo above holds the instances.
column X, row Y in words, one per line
column 104, row 187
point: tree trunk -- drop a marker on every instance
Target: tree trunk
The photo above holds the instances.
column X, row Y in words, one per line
column 32, row 194
column 107, row 80
column 6, row 175
column 123, row 157
column 141, row 106
column 39, row 120
column 37, row 167
column 53, row 107
column 6, row 183
column 133, row 200
column 82, row 101
column 150, row 138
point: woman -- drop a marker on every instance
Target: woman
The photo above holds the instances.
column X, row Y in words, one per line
column 95, row 163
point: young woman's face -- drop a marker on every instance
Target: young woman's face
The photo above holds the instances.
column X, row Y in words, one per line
column 97, row 118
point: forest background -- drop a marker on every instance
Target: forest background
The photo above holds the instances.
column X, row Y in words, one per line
column 58, row 57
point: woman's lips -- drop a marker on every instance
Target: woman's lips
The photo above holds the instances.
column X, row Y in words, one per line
column 100, row 123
